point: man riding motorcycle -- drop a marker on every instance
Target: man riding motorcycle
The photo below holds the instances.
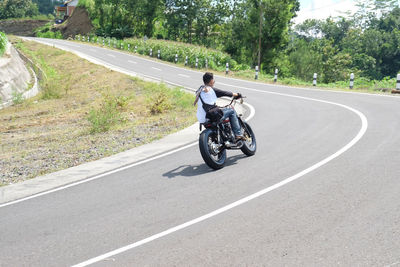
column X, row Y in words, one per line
column 208, row 94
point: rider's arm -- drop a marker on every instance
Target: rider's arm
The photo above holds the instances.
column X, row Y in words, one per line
column 221, row 93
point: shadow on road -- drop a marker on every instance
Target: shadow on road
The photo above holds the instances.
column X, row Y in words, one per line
column 190, row 170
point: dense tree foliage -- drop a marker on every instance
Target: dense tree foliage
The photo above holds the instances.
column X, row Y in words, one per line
column 368, row 44
column 17, row 9
column 46, row 6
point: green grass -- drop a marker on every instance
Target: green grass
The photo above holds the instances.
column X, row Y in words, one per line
column 96, row 112
column 3, row 43
column 215, row 62
column 46, row 32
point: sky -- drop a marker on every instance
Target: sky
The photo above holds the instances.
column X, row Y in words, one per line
column 321, row 9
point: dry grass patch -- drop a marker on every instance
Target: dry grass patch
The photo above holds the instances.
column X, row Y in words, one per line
column 84, row 112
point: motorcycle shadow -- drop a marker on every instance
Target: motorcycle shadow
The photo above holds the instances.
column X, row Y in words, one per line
column 195, row 170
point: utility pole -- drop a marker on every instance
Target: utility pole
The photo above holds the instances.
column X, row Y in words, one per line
column 259, row 37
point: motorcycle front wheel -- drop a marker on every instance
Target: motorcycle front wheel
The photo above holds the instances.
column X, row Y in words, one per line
column 211, row 151
column 250, row 145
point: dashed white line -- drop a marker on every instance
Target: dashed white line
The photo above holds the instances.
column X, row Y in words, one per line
column 156, row 69
column 133, row 62
column 93, row 50
column 184, row 75
column 110, row 55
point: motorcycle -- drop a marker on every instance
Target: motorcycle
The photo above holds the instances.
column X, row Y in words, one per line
column 218, row 137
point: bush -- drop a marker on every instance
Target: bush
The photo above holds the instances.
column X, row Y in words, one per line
column 108, row 114
column 3, row 43
column 46, row 32
column 216, row 59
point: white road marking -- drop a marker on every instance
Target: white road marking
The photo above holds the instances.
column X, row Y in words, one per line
column 93, row 50
column 156, row 69
column 110, row 55
column 355, row 140
column 362, row 131
column 98, row 176
column 184, row 75
column 133, row 62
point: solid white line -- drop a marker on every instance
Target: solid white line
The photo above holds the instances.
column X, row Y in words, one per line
column 362, row 131
column 110, row 55
column 133, row 62
column 156, row 69
column 184, row 75
column 99, row 176
column 360, row 134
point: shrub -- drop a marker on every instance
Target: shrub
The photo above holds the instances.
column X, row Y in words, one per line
column 108, row 114
column 46, row 32
column 3, row 43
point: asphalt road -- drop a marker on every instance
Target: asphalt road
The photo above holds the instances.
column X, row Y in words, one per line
column 339, row 206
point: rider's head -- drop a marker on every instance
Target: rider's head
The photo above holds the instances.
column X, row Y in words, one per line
column 208, row 78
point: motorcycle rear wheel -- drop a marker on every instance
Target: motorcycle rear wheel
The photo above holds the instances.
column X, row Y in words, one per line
column 208, row 145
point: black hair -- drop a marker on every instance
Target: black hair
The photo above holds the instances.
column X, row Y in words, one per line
column 207, row 77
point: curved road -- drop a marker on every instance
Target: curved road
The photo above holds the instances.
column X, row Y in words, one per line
column 339, row 207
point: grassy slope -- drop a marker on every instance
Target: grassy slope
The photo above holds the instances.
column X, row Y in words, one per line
column 360, row 84
column 52, row 131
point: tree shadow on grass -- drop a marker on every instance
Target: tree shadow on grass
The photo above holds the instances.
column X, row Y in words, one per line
column 196, row 170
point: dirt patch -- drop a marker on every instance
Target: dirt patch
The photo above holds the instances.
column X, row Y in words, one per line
column 21, row 27
column 78, row 23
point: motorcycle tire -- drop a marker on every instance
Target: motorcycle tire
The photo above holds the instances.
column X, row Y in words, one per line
column 250, row 145
column 207, row 140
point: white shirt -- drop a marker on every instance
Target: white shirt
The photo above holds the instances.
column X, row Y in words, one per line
column 209, row 98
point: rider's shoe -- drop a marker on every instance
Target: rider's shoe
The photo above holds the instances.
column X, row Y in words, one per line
column 239, row 137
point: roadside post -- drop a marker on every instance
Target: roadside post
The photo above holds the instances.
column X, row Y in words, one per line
column 227, row 68
column 206, row 63
column 397, row 90
column 256, row 77
column 151, row 52
column 176, row 58
column 398, row 82
column 276, row 76
column 158, row 54
column 315, row 79
column 186, row 60
column 351, row 81
column 135, row 48
column 197, row 62
column 129, row 47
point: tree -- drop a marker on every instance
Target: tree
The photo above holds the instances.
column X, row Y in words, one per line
column 244, row 32
column 46, row 6
column 17, row 9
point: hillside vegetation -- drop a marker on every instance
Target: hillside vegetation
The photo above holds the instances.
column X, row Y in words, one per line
column 84, row 112
column 364, row 43
column 3, row 43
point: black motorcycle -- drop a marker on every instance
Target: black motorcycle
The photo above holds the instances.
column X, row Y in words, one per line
column 218, row 137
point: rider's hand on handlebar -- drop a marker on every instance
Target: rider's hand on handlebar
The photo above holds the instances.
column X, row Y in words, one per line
column 238, row 96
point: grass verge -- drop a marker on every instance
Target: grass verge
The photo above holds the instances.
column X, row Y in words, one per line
column 361, row 84
column 83, row 113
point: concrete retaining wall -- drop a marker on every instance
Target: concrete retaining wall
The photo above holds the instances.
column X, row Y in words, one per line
column 14, row 76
